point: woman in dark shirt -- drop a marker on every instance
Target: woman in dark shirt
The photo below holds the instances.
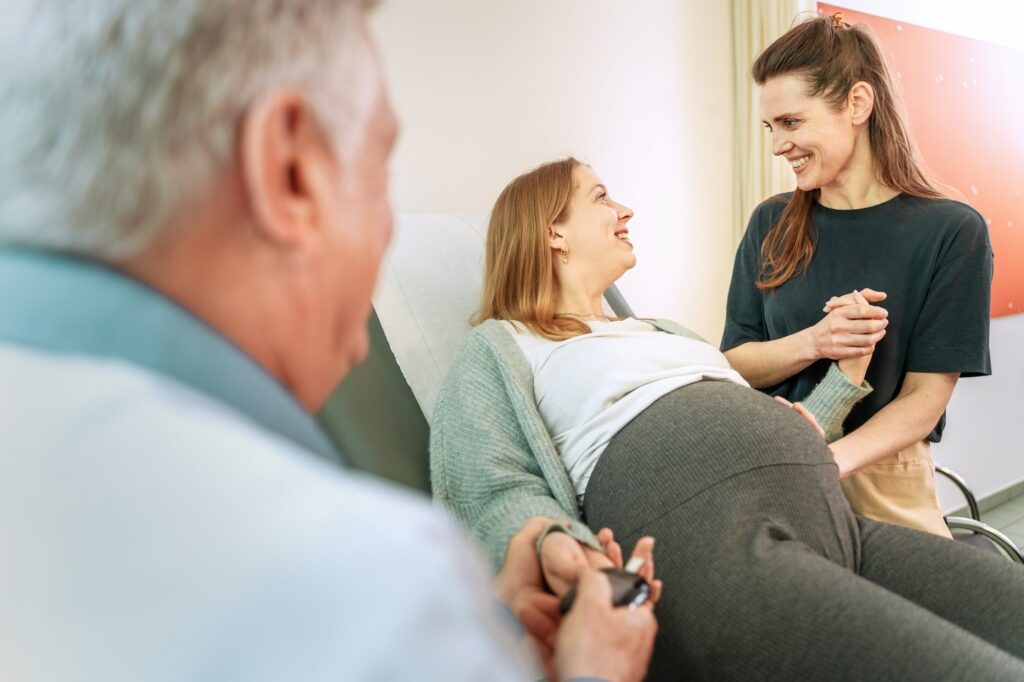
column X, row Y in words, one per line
column 863, row 215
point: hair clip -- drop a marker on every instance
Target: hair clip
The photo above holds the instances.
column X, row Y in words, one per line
column 837, row 21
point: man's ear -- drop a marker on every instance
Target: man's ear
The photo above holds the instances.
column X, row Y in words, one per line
column 861, row 102
column 280, row 158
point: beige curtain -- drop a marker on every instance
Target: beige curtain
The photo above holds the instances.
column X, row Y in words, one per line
column 759, row 175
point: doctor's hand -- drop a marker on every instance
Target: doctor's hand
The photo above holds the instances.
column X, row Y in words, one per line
column 850, row 329
column 599, row 640
column 520, row 585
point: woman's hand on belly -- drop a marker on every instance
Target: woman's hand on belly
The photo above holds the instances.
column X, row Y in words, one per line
column 803, row 412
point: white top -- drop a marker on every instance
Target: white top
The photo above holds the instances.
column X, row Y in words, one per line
column 588, row 387
column 148, row 532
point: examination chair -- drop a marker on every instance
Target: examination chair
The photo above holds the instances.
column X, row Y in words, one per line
column 429, row 288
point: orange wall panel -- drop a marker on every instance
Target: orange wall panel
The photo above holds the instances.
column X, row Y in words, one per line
column 965, row 106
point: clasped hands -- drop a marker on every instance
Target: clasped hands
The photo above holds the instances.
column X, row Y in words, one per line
column 848, row 333
column 851, row 328
column 593, row 639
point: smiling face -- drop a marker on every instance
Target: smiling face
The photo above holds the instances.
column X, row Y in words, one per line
column 816, row 139
column 595, row 233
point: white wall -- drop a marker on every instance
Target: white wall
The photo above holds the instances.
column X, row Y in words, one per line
column 487, row 89
column 981, row 441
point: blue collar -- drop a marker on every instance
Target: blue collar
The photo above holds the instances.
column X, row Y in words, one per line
column 70, row 305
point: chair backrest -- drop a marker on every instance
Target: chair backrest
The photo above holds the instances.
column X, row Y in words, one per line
column 429, row 287
column 375, row 420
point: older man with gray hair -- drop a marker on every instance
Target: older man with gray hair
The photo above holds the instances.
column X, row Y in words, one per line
column 193, row 211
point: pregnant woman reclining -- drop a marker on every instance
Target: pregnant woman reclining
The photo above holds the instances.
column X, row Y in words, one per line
column 553, row 409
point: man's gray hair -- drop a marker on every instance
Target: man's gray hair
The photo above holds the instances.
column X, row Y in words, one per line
column 114, row 113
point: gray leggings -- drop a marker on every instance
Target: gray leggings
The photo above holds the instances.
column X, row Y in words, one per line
column 770, row 576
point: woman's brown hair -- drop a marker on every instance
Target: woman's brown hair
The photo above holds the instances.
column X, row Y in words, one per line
column 519, row 270
column 831, row 56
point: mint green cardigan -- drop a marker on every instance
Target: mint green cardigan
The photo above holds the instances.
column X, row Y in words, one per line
column 493, row 463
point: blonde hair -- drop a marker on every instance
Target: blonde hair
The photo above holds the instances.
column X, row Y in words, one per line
column 519, row 271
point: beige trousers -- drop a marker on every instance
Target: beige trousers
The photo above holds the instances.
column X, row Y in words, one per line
column 899, row 489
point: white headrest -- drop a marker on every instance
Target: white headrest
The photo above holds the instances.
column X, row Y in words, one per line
column 429, row 287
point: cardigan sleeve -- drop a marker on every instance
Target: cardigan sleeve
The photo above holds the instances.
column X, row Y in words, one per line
column 481, row 464
column 832, row 399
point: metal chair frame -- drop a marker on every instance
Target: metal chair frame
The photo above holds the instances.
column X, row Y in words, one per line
column 974, row 524
column 1004, row 544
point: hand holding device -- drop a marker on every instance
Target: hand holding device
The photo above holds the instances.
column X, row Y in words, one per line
column 628, row 588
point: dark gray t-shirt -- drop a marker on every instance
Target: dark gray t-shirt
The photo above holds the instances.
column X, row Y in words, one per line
column 931, row 256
